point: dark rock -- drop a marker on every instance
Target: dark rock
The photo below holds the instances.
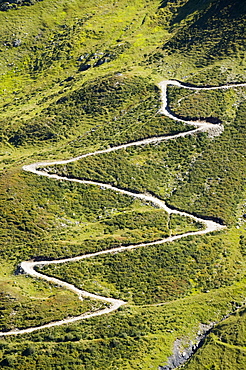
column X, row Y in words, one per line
column 6, row 6
column 14, row 4
column 19, row 270
column 99, row 62
column 84, row 67
column 70, row 78
column 16, row 43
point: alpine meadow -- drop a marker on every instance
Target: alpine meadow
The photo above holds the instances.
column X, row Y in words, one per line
column 122, row 176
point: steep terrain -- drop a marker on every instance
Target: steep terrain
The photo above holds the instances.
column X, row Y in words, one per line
column 78, row 77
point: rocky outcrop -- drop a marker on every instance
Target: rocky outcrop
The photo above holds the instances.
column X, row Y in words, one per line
column 183, row 350
column 14, row 4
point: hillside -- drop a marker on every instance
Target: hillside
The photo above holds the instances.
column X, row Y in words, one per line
column 82, row 79
column 224, row 348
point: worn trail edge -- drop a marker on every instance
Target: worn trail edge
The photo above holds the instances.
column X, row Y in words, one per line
column 36, row 168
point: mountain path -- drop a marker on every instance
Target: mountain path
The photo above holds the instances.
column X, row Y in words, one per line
column 38, row 168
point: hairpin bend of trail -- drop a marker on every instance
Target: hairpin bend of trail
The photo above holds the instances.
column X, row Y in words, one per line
column 28, row 267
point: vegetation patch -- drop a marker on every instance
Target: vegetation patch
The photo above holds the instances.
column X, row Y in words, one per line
column 77, row 77
column 226, row 343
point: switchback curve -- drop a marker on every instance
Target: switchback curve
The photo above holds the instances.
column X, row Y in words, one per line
column 28, row 267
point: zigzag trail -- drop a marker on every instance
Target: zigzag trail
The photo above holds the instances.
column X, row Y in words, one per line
column 36, row 168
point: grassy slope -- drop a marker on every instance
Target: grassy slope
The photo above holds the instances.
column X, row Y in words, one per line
column 46, row 116
column 224, row 348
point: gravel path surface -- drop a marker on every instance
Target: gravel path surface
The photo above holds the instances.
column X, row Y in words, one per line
column 38, row 168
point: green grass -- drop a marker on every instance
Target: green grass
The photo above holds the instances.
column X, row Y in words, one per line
column 225, row 347
column 27, row 302
column 45, row 116
column 213, row 104
column 60, row 33
column 160, row 273
column 145, row 333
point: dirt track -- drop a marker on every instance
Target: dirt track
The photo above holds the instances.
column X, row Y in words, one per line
column 36, row 168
